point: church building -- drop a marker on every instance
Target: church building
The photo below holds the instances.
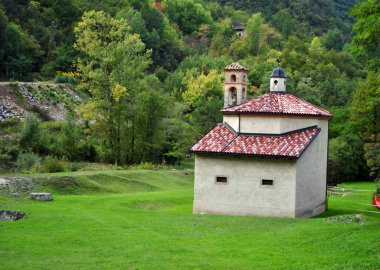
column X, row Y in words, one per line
column 267, row 158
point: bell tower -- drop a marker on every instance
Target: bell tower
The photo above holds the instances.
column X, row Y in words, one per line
column 235, row 84
column 278, row 79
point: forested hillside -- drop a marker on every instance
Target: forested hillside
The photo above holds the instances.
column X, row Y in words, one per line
column 153, row 72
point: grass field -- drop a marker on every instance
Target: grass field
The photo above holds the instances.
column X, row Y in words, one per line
column 143, row 220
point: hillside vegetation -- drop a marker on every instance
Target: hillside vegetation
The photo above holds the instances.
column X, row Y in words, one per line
column 153, row 80
column 143, row 220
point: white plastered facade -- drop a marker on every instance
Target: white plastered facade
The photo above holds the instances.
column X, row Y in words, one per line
column 299, row 185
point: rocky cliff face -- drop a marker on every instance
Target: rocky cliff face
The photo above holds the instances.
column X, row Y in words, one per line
column 50, row 101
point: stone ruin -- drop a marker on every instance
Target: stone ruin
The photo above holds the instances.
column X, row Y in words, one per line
column 11, row 215
column 41, row 196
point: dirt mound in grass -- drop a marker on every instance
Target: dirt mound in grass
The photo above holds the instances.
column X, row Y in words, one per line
column 22, row 186
column 69, row 185
column 156, row 204
column 121, row 184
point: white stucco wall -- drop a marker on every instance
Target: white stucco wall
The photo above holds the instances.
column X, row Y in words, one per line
column 270, row 124
column 244, row 195
column 300, row 186
column 232, row 121
column 259, row 124
column 280, row 86
column 294, row 123
column 311, row 176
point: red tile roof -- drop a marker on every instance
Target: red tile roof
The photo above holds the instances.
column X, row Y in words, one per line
column 158, row 6
column 224, row 140
column 236, row 66
column 277, row 103
column 216, row 140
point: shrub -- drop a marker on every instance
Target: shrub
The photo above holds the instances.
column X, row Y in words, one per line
column 146, row 166
column 37, row 168
column 26, row 161
column 66, row 79
column 10, row 122
column 74, row 166
column 6, row 163
column 52, row 126
column 53, row 164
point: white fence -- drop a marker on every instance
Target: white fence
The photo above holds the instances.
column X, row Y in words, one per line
column 340, row 191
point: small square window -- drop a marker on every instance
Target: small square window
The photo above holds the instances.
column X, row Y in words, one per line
column 221, row 180
column 266, row 182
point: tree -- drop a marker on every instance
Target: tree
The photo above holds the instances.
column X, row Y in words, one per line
column 365, row 114
column 345, row 159
column 3, row 26
column 202, row 87
column 148, row 121
column 365, row 107
column 333, row 40
column 284, row 22
column 204, row 97
column 33, row 137
column 189, row 15
column 254, row 31
column 367, row 25
column 114, row 59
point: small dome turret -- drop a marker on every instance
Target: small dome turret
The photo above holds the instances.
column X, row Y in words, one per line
column 278, row 80
column 278, row 72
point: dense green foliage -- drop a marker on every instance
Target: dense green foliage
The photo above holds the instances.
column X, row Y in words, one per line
column 153, row 79
column 304, row 17
column 140, row 219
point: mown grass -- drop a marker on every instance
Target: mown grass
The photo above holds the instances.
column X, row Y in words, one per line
column 143, row 220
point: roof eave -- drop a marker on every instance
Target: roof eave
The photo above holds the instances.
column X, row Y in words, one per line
column 242, row 154
column 237, row 69
column 275, row 113
column 310, row 142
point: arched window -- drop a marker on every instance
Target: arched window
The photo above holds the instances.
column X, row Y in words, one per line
column 233, row 78
column 232, row 96
column 244, row 78
column 243, row 94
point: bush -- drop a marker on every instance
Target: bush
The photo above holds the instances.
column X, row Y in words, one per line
column 66, row 79
column 6, row 163
column 146, row 166
column 74, row 166
column 53, row 164
column 10, row 122
column 26, row 161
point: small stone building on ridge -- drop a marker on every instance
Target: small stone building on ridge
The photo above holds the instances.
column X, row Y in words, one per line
column 267, row 158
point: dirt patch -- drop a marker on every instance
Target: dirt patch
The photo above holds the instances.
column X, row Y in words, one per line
column 155, row 205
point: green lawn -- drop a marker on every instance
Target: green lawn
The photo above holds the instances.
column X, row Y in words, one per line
column 143, row 220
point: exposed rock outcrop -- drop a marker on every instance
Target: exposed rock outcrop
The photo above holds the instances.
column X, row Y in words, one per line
column 47, row 99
